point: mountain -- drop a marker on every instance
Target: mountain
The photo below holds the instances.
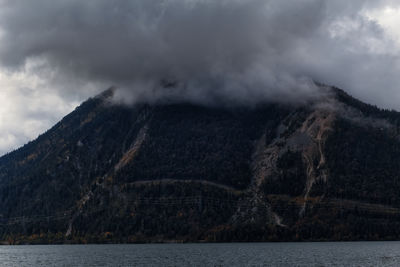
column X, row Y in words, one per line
column 325, row 170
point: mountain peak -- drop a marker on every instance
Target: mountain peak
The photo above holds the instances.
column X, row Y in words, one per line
column 146, row 173
column 107, row 94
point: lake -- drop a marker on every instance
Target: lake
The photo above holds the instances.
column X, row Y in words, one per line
column 233, row 254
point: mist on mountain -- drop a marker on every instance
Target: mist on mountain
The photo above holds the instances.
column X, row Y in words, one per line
column 218, row 51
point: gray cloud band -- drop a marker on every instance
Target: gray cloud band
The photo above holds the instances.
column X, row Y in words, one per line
column 211, row 51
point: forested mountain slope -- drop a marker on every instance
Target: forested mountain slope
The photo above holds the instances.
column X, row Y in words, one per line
column 328, row 170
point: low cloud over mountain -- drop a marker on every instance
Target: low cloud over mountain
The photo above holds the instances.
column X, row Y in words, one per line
column 233, row 51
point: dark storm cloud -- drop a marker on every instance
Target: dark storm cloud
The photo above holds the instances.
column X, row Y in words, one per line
column 227, row 50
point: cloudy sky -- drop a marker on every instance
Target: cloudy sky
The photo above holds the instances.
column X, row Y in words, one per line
column 55, row 54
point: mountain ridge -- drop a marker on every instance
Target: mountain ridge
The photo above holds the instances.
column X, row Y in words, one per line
column 153, row 173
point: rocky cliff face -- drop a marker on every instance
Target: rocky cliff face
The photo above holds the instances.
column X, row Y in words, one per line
column 148, row 173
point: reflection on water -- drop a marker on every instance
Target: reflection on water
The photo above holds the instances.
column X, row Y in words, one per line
column 235, row 254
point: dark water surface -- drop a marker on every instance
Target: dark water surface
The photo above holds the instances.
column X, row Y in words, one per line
column 235, row 254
